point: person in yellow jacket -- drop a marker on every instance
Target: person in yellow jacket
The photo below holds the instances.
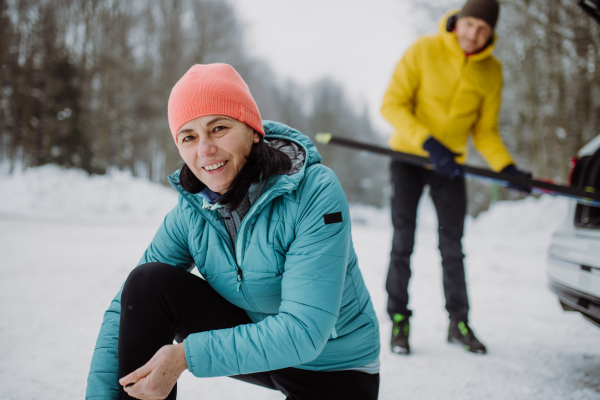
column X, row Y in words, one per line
column 446, row 87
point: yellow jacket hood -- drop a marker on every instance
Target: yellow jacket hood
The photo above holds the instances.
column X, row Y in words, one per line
column 451, row 42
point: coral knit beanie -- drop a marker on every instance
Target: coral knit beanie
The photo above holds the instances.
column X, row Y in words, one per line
column 212, row 89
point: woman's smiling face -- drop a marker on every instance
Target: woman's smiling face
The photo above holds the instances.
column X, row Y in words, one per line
column 215, row 148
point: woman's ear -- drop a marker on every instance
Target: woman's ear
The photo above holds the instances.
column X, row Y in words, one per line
column 256, row 137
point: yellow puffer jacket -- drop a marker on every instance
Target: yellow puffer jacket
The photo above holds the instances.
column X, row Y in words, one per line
column 438, row 91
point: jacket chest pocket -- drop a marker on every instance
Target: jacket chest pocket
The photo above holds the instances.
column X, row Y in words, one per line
column 278, row 255
column 280, row 244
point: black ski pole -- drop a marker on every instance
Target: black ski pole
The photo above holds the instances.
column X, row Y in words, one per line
column 588, row 196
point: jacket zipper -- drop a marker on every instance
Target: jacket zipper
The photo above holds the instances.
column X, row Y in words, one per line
column 241, row 231
column 240, row 276
column 238, row 254
column 460, row 78
column 455, row 92
column 245, row 291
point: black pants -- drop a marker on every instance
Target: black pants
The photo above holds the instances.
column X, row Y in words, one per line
column 161, row 303
column 449, row 199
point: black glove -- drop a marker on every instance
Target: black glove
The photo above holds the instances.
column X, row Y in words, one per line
column 512, row 170
column 442, row 158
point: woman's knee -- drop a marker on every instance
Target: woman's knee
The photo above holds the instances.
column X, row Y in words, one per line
column 148, row 278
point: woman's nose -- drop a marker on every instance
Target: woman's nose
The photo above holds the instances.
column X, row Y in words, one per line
column 206, row 148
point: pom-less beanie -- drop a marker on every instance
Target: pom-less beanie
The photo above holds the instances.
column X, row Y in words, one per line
column 212, row 89
column 486, row 10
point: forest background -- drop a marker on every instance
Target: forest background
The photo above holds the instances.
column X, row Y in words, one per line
column 84, row 84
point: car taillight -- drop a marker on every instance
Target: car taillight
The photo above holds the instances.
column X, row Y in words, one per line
column 572, row 163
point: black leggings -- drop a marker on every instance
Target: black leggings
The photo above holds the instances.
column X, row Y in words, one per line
column 161, row 303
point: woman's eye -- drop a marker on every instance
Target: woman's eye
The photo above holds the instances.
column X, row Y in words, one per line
column 188, row 138
column 219, row 128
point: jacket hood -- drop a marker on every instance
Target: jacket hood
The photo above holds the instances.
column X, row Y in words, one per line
column 277, row 130
column 301, row 145
column 451, row 42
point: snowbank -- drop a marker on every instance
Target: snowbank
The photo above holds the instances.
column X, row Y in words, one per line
column 54, row 192
column 520, row 218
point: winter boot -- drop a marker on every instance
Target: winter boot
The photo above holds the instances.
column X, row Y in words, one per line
column 400, row 331
column 461, row 334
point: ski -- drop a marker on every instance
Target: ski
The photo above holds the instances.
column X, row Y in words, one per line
column 587, row 197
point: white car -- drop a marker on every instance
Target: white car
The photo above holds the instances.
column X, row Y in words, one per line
column 574, row 253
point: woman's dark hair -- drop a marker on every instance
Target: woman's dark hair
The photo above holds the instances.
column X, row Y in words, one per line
column 262, row 162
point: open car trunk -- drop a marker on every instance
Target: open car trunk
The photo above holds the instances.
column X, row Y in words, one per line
column 586, row 176
column 592, row 7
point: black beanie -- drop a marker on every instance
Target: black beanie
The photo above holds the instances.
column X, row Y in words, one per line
column 486, row 10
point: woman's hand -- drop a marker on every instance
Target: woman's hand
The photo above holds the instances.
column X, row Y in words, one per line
column 155, row 379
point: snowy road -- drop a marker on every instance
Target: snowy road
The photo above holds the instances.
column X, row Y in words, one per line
column 57, row 276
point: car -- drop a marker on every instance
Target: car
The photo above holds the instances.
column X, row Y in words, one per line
column 574, row 254
column 573, row 265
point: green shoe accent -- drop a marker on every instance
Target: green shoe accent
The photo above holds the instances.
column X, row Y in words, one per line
column 463, row 329
column 398, row 317
column 468, row 348
column 400, row 330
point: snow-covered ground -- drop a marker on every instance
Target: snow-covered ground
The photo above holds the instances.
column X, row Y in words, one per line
column 67, row 242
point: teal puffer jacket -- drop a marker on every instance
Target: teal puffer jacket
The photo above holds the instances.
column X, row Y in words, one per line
column 300, row 285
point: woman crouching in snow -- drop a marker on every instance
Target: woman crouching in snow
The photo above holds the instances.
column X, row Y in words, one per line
column 282, row 303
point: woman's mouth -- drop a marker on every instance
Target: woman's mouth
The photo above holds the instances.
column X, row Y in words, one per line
column 214, row 166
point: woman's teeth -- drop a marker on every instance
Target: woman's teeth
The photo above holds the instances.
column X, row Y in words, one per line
column 214, row 166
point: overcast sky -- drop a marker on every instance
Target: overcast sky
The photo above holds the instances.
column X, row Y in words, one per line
column 356, row 42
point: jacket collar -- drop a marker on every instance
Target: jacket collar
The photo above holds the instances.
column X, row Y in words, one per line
column 451, row 42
